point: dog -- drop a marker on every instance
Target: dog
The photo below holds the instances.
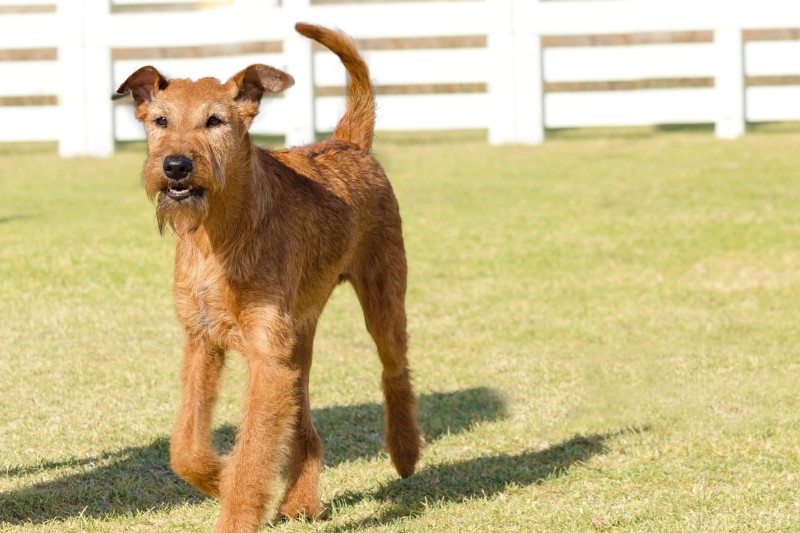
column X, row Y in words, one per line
column 262, row 239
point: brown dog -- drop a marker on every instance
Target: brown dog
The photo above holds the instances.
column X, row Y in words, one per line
column 263, row 237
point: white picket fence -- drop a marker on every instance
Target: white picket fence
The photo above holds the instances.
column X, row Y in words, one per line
column 513, row 66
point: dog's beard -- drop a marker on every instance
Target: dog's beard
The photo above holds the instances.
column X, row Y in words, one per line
column 184, row 216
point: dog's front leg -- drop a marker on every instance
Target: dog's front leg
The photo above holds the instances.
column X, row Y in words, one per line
column 192, row 455
column 250, row 480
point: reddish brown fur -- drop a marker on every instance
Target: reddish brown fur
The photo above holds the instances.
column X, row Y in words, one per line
column 258, row 254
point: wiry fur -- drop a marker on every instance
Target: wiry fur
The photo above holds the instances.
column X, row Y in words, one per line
column 262, row 241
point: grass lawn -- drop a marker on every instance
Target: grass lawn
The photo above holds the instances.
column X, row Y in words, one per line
column 605, row 333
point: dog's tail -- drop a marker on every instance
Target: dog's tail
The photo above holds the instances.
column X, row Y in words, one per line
column 357, row 125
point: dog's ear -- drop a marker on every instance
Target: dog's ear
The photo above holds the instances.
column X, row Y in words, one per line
column 252, row 82
column 143, row 84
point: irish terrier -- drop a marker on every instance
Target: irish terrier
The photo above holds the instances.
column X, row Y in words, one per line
column 263, row 237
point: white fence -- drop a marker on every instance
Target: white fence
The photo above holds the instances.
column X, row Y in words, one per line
column 498, row 77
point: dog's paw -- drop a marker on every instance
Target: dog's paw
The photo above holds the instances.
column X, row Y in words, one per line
column 296, row 508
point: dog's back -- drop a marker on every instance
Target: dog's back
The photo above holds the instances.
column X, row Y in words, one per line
column 351, row 186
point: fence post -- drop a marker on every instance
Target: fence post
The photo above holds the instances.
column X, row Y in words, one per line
column 71, row 135
column 99, row 80
column 86, row 127
column 298, row 55
column 515, row 90
column 528, row 78
column 501, row 86
column 730, row 83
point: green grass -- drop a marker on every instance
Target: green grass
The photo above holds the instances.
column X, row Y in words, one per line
column 605, row 333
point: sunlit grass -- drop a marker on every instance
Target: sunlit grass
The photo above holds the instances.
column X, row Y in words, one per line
column 604, row 334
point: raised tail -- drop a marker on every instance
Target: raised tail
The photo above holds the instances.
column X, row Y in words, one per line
column 357, row 125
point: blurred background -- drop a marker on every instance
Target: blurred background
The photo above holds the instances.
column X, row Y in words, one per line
column 514, row 68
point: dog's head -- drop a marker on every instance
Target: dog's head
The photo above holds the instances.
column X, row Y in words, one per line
column 196, row 132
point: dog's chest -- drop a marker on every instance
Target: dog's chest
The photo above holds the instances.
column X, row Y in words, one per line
column 206, row 308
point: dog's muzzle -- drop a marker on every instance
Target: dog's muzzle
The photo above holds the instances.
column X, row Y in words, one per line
column 176, row 169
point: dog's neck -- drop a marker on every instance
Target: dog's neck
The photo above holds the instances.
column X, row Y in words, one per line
column 240, row 211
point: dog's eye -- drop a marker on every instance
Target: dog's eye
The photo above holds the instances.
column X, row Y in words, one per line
column 161, row 121
column 213, row 120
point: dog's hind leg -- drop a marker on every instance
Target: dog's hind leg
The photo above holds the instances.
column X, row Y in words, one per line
column 379, row 278
column 305, row 461
column 192, row 455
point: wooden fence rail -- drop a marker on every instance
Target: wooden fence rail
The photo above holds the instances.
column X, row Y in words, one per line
column 506, row 66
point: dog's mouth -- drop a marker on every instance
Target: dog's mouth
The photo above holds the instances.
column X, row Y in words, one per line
column 180, row 192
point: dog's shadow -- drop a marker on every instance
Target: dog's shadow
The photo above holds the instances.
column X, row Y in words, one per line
column 356, row 431
column 136, row 479
column 14, row 218
column 482, row 477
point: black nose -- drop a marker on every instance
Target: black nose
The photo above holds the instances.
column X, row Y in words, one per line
column 177, row 167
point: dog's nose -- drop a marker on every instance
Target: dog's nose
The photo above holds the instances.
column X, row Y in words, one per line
column 177, row 167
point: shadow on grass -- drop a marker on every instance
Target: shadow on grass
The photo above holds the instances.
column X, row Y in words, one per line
column 13, row 218
column 440, row 414
column 126, row 481
column 139, row 478
column 627, row 132
column 482, row 477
